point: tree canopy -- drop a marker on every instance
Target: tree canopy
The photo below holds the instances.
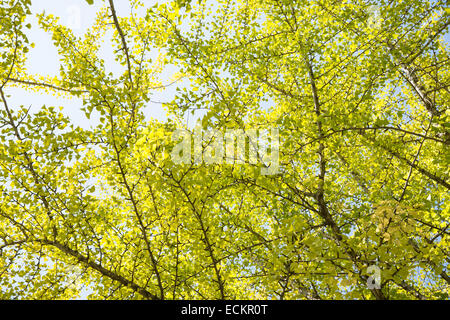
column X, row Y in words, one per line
column 358, row 208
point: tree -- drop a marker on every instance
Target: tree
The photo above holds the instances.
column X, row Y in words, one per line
column 358, row 209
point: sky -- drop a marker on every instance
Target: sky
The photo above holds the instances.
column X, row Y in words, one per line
column 43, row 59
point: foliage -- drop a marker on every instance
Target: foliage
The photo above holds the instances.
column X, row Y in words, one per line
column 361, row 102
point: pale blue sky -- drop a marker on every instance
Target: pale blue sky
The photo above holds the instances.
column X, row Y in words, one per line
column 44, row 59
